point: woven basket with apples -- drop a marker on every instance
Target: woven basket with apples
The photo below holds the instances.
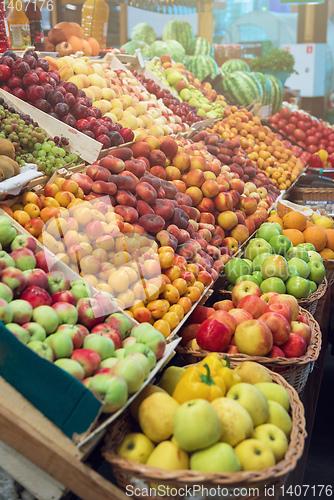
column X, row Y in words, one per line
column 168, row 441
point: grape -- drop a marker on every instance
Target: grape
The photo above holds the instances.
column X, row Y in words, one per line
column 46, row 147
column 52, row 143
column 41, row 153
column 38, row 146
column 62, row 152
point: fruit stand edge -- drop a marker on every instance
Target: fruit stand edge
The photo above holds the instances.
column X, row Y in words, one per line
column 46, row 449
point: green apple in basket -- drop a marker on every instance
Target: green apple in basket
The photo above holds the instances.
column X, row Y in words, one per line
column 267, row 231
column 235, row 268
column 257, row 246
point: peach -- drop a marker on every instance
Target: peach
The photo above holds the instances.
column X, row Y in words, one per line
column 240, row 233
column 185, row 303
column 210, row 188
column 192, row 212
column 198, row 162
column 29, row 197
column 159, row 172
column 143, row 208
column 181, row 161
column 112, row 164
column 124, row 180
column 195, row 194
column 180, row 186
column 136, row 166
column 32, row 210
column 122, row 153
column 207, row 218
column 51, row 190
column 248, row 205
column 183, row 199
column 48, row 213
column 146, row 192
column 129, row 214
column 238, row 185
column 166, row 239
column 98, row 173
column 223, row 202
column 193, row 293
column 83, row 181
column 230, row 243
column 227, row 220
column 157, row 157
column 141, row 149
column 172, row 319
column 152, row 268
column 21, row 217
column 152, row 223
column 172, row 173
column 94, row 230
column 50, row 202
column 57, row 227
column 71, row 238
column 164, row 208
column 124, row 197
column 101, row 187
column 195, row 178
column 90, row 265
column 169, row 147
column 82, row 215
column 206, row 205
column 142, row 315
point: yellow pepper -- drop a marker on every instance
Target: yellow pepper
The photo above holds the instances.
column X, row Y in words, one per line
column 221, row 367
column 197, row 383
column 322, row 154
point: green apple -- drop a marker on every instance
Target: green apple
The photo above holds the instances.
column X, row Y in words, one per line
column 111, row 389
column 273, row 285
column 219, row 457
column 144, row 362
column 255, row 247
column 275, row 392
column 292, row 272
column 249, row 262
column 254, row 455
column 80, row 289
column 104, row 346
column 277, row 225
column 313, row 287
column 132, row 372
column 237, row 424
column 280, row 244
column 230, row 288
column 252, row 399
column 119, row 353
column 144, row 349
column 317, row 271
column 279, row 417
column 22, row 311
column 167, row 455
column 300, row 266
column 61, row 345
column 196, row 425
column 314, row 256
column 308, row 246
column 247, row 277
column 109, row 362
column 7, row 313
column 235, row 268
column 267, row 230
column 136, row 447
column 298, row 287
column 275, row 266
column 257, row 262
column 274, row 437
column 72, row 367
column 41, row 348
column 5, row 292
column 7, row 231
column 47, row 318
column 258, row 276
column 298, row 252
column 19, row 332
column 35, row 331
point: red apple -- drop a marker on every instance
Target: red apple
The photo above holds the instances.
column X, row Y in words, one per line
column 294, row 347
column 278, row 325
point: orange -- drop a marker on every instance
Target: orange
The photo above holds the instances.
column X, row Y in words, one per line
column 275, row 218
column 309, row 223
column 294, row 235
column 330, row 238
column 327, row 253
column 294, row 220
column 317, row 236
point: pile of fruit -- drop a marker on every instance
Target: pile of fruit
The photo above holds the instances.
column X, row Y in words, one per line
column 252, row 323
column 191, row 90
column 68, row 38
column 210, row 419
column 32, row 80
column 8, row 166
column 28, row 143
column 274, row 264
column 60, row 321
column 261, row 145
column 309, row 133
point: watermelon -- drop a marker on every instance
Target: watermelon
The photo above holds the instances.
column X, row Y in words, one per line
column 276, row 93
column 242, row 88
column 202, row 47
column 266, row 87
column 144, row 33
column 160, row 48
column 130, row 48
column 176, row 50
column 180, row 31
column 202, row 66
column 233, row 65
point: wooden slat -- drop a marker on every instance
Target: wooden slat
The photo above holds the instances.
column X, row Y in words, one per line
column 54, row 459
column 32, row 478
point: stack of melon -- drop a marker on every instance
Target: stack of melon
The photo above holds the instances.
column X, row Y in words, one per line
column 67, row 38
column 243, row 87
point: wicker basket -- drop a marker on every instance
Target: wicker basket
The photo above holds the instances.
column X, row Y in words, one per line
column 312, row 194
column 127, row 472
column 294, row 370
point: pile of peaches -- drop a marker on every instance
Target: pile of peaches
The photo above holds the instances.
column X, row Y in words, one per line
column 261, row 145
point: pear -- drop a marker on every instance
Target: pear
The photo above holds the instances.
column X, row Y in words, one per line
column 217, row 458
column 275, row 392
column 156, row 416
column 237, row 424
column 170, row 378
column 169, row 456
column 279, row 417
column 145, row 393
column 252, row 372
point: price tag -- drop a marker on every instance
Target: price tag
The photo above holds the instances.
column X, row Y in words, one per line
column 140, row 58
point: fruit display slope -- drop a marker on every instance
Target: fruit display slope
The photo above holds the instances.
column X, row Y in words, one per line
column 125, row 470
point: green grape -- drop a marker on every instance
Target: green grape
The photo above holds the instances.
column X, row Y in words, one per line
column 52, row 143
column 38, row 146
column 54, row 150
column 62, row 152
column 46, row 147
column 41, row 153
column 67, row 158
